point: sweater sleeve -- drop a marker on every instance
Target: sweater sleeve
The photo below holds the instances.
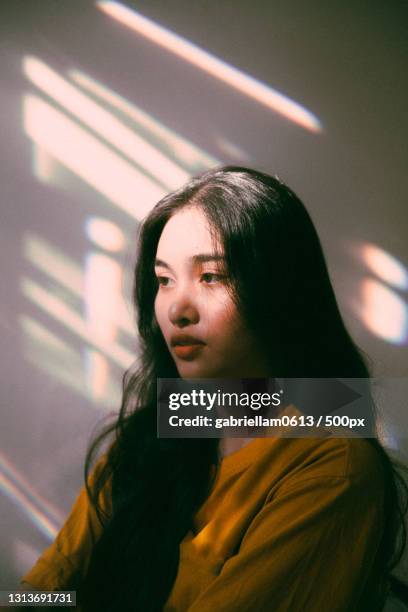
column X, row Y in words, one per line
column 311, row 547
column 63, row 563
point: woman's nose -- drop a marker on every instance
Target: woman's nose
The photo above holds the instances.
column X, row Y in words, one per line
column 183, row 309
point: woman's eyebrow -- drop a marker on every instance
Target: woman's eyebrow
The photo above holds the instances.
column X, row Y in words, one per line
column 200, row 258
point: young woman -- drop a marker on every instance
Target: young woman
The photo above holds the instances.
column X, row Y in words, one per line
column 231, row 282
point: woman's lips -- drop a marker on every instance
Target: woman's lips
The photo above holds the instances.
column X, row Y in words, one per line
column 187, row 351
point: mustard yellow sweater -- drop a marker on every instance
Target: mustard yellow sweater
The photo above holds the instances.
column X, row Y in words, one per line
column 291, row 525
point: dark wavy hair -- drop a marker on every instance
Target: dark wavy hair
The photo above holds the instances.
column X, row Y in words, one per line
column 280, row 283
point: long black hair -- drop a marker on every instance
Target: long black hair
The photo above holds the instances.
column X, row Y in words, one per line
column 279, row 280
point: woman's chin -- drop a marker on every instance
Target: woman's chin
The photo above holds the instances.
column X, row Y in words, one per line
column 191, row 370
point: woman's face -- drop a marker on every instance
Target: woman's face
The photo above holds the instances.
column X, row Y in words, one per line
column 200, row 323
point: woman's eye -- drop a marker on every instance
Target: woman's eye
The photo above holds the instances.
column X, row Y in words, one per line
column 163, row 280
column 210, row 277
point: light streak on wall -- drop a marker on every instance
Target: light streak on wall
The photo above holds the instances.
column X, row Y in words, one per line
column 102, row 297
column 188, row 51
column 15, row 476
column 46, row 338
column 47, row 527
column 65, row 271
column 385, row 266
column 103, row 284
column 172, row 144
column 40, row 512
column 383, row 312
column 43, row 164
column 97, row 375
column 83, row 154
column 70, row 319
column 231, row 149
column 102, row 288
column 105, row 234
column 105, row 124
column 52, row 355
column 53, row 262
column 60, row 361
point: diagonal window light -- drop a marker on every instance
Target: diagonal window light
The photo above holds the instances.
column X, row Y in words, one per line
column 70, row 319
column 86, row 156
column 52, row 355
column 172, row 144
column 103, row 278
column 104, row 124
column 42, row 513
column 65, row 271
column 53, row 262
column 13, row 475
column 211, row 64
column 47, row 527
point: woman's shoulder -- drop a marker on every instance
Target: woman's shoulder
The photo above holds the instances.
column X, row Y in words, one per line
column 357, row 460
